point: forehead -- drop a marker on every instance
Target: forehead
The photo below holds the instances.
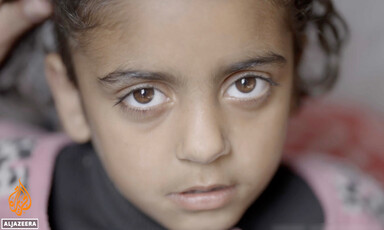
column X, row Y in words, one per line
column 146, row 32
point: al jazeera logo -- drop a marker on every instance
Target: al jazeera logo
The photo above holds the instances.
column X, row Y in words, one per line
column 19, row 202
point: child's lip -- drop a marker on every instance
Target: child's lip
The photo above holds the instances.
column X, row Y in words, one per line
column 204, row 188
column 198, row 198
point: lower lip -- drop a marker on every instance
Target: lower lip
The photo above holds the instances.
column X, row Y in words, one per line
column 204, row 201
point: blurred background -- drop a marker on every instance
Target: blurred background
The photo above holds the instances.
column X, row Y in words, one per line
column 362, row 72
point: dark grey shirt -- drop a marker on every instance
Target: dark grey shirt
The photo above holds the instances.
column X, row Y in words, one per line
column 83, row 197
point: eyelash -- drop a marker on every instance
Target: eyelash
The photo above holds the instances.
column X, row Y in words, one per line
column 143, row 112
column 131, row 90
column 267, row 79
column 137, row 112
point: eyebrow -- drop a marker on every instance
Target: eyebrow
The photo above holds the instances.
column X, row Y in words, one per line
column 269, row 59
column 118, row 75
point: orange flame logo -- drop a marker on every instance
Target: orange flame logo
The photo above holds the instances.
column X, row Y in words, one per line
column 19, row 200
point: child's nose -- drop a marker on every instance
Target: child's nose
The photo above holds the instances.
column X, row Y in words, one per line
column 203, row 138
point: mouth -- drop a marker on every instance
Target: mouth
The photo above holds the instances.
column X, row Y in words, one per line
column 202, row 189
column 199, row 198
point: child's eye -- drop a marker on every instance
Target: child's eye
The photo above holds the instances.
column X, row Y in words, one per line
column 144, row 98
column 249, row 87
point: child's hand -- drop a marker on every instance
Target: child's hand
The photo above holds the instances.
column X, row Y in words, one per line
column 16, row 17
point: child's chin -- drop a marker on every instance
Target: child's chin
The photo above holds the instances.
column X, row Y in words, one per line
column 208, row 226
column 207, row 221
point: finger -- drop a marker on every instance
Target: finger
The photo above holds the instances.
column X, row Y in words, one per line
column 18, row 16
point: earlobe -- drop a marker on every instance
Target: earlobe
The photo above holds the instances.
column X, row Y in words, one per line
column 67, row 100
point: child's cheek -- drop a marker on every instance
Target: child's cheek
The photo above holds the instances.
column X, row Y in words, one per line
column 258, row 140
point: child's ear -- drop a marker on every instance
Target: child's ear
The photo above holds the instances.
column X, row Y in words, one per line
column 67, row 99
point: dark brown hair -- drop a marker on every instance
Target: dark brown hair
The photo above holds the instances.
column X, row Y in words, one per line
column 74, row 17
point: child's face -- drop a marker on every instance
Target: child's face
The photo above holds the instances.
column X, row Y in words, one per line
column 198, row 111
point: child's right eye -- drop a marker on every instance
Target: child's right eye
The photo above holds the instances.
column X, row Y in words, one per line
column 144, row 98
